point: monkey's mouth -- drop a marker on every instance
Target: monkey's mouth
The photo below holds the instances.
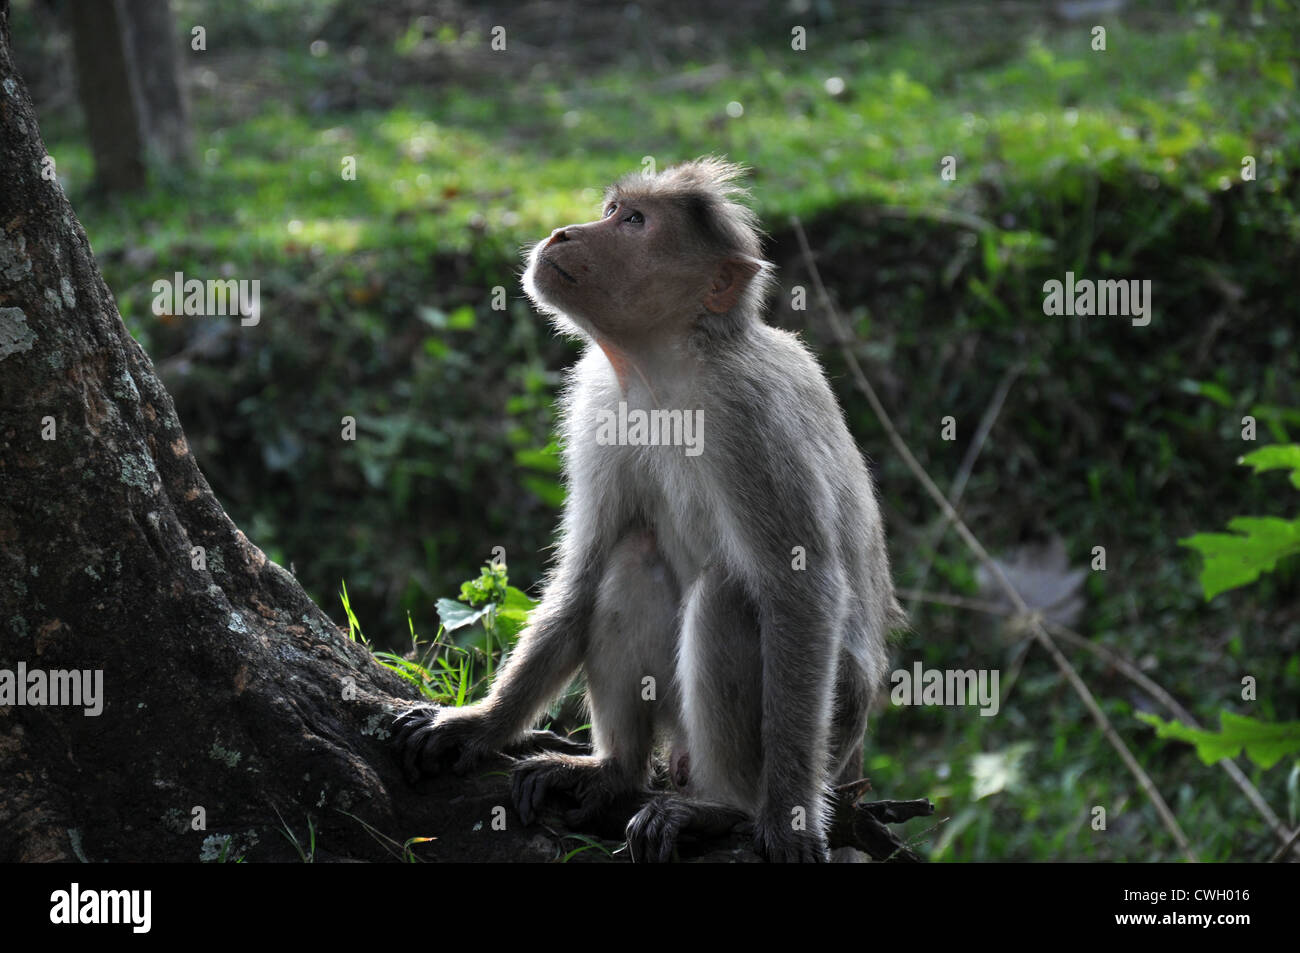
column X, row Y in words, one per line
column 567, row 277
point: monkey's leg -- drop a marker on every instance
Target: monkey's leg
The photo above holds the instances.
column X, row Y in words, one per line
column 720, row 674
column 629, row 671
column 720, row 671
column 848, row 725
column 849, row 719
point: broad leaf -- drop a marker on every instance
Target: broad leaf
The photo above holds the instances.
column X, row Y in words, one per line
column 1265, row 743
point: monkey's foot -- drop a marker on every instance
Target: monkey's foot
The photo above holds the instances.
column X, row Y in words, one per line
column 653, row 831
column 430, row 739
column 666, row 818
column 779, row 843
column 588, row 782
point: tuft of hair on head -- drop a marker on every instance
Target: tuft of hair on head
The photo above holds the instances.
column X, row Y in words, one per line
column 708, row 190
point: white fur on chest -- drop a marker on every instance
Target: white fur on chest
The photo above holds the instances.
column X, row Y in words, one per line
column 669, row 492
column 669, row 486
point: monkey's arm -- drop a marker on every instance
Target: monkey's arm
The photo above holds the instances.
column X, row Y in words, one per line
column 546, row 656
column 544, row 660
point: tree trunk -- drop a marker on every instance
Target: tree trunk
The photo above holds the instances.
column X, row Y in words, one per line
column 129, row 84
column 228, row 712
column 151, row 45
column 109, row 94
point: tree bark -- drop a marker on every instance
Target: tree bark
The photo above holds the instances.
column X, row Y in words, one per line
column 224, row 689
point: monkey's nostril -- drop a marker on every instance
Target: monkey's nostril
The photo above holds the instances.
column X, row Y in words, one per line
column 557, row 236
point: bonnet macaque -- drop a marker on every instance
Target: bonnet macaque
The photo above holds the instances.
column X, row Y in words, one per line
column 721, row 577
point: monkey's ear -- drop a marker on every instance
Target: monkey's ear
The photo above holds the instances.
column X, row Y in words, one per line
column 730, row 281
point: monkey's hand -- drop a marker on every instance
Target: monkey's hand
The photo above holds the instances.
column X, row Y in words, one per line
column 590, row 782
column 430, row 739
column 777, row 841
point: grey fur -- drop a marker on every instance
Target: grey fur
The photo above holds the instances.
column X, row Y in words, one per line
column 681, row 567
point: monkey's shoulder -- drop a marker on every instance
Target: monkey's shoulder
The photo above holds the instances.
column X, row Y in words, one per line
column 779, row 378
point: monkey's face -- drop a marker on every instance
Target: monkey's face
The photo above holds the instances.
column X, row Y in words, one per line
column 633, row 272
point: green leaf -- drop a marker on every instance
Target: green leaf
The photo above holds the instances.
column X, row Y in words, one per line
column 550, row 492
column 1265, row 743
column 489, row 587
column 462, row 319
column 547, row 459
column 1213, row 391
column 456, row 615
column 513, row 614
column 1278, row 456
column 1235, row 560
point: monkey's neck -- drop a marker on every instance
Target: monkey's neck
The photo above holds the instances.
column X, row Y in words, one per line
column 653, row 371
column 626, row 368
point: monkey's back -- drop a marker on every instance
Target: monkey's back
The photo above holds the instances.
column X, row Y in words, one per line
column 776, row 379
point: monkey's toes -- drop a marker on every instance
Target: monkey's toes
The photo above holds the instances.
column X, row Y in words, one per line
column 652, row 832
column 792, row 848
column 528, row 785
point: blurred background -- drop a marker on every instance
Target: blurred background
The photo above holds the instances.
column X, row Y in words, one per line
column 209, row 138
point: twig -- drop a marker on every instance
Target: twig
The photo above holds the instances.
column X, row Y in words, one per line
column 863, row 826
column 1281, row 851
column 1034, row 621
column 958, row 486
column 1143, row 681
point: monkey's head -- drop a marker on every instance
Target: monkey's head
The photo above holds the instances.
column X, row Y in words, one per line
column 668, row 251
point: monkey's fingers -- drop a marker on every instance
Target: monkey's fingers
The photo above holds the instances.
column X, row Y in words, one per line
column 522, row 784
column 407, row 726
column 589, row 808
column 531, row 783
column 424, row 743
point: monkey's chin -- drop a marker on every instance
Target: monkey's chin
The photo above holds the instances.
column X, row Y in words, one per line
column 545, row 286
column 545, row 291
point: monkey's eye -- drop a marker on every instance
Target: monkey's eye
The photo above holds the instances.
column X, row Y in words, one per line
column 636, row 218
column 611, row 210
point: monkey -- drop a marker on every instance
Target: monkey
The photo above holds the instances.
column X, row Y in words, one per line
column 727, row 600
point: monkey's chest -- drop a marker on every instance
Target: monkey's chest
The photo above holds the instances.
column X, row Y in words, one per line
column 671, row 500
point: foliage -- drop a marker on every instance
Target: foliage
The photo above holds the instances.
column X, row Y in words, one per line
column 1237, row 560
column 1264, row 743
column 1232, row 561
column 488, row 616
